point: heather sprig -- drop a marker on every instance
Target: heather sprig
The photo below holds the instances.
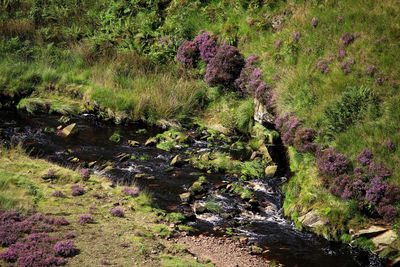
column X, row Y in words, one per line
column 85, row 219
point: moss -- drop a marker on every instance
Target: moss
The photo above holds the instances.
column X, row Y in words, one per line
column 116, row 137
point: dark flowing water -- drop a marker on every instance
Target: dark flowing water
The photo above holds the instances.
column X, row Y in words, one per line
column 264, row 223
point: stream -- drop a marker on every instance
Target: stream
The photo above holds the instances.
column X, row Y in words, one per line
column 262, row 223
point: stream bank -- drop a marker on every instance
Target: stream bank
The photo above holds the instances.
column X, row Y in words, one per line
column 258, row 218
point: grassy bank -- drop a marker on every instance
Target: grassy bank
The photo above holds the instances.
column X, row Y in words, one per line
column 138, row 237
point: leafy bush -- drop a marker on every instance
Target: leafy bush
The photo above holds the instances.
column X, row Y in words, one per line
column 77, row 190
column 287, row 125
column 206, row 45
column 304, row 140
column 188, row 54
column 348, row 108
column 117, row 212
column 225, row 67
column 84, row 219
column 65, row 249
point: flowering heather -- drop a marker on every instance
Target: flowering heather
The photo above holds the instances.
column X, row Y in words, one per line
column 265, row 95
column 129, row 192
column 375, row 190
column 341, row 52
column 347, row 38
column 345, row 65
column 84, row 219
column 57, row 193
column 9, row 255
column 388, row 212
column 250, row 76
column 77, row 190
column 208, row 50
column 390, row 145
column 308, row 51
column 371, row 69
column 359, row 188
column 365, row 157
column 330, row 162
column 278, row 44
column 322, row 66
column 85, row 173
column 65, row 248
column 287, row 125
column 187, row 54
column 380, row 80
column 296, row 36
column 69, row 235
column 341, row 186
column 314, row 22
column 340, row 19
column 304, row 140
column 377, row 170
column 117, row 212
column 8, row 238
column 225, row 67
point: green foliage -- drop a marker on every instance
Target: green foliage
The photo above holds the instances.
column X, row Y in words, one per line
column 174, row 217
column 348, row 109
column 364, row 243
column 345, row 238
column 116, row 137
column 212, row 205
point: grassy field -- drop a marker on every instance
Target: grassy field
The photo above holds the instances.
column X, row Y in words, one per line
column 138, row 238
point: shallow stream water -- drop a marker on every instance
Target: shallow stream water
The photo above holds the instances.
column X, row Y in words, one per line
column 263, row 224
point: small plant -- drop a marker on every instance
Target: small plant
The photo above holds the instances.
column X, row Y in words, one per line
column 296, row 36
column 187, row 54
column 77, row 190
column 69, row 235
column 116, row 137
column 314, row 22
column 117, row 212
column 85, row 219
column 212, row 205
column 65, row 249
column 85, row 173
column 330, row 162
column 130, row 192
column 58, row 193
column 347, row 38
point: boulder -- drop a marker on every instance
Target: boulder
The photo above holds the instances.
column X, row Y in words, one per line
column 261, row 114
column 370, row 232
column 311, row 219
column 133, row 143
column 264, row 151
column 196, row 187
column 270, row 171
column 185, row 197
column 199, row 207
column 384, row 239
column 151, row 142
column 70, row 130
column 176, row 161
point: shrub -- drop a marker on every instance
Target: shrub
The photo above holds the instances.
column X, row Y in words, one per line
column 347, row 38
column 65, row 248
column 117, row 212
column 9, row 255
column 296, row 36
column 342, row 186
column 57, row 193
column 375, row 190
column 278, row 44
column 187, row 54
column 330, row 162
column 365, row 157
column 371, row 69
column 304, row 140
column 85, row 173
column 341, row 52
column 388, row 212
column 348, row 108
column 84, row 219
column 129, row 192
column 77, row 190
column 206, row 45
column 225, row 67
column 69, row 235
column 287, row 125
column 265, row 95
column 8, row 238
column 314, row 22
column 390, row 145
column 250, row 76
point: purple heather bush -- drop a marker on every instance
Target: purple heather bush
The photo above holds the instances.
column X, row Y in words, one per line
column 77, row 190
column 365, row 157
column 304, row 140
column 225, row 67
column 388, row 212
column 207, row 46
column 187, row 54
column 371, row 69
column 287, row 125
column 9, row 255
column 341, row 52
column 390, row 145
column 347, row 38
column 296, row 36
column 314, row 22
column 376, row 190
column 322, row 66
column 380, row 80
column 65, row 248
column 250, row 76
column 346, row 64
column 69, row 235
column 341, row 186
column 85, row 173
column 129, row 192
column 358, row 187
column 377, row 170
column 117, row 212
column 278, row 44
column 330, row 162
column 8, row 238
column 265, row 95
column 57, row 193
column 84, row 219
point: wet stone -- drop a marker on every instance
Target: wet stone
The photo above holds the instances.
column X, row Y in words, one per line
column 185, row 197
